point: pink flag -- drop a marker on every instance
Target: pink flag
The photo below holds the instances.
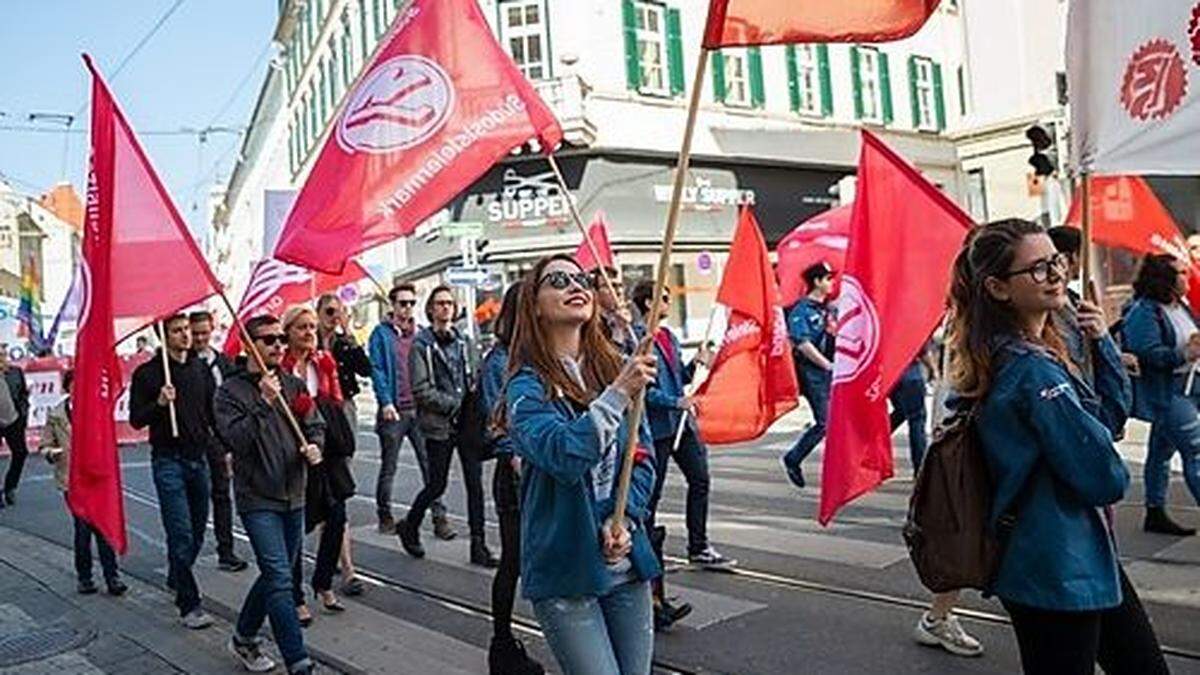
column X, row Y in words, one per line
column 822, row 238
column 439, row 104
column 598, row 233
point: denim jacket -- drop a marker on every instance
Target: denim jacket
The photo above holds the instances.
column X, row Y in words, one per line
column 666, row 393
column 559, row 446
column 1149, row 336
column 1048, row 441
column 492, row 374
column 808, row 321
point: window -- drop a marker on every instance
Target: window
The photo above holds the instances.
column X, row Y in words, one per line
column 331, row 79
column 362, row 24
column 977, row 196
column 962, row 91
column 872, row 85
column 347, row 53
column 808, row 80
column 651, row 47
column 735, row 78
column 377, row 15
column 313, row 120
column 924, row 109
column 523, row 27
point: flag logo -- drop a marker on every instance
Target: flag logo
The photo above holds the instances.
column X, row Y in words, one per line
column 1194, row 33
column 85, row 293
column 400, row 104
column 1155, row 81
column 857, row 333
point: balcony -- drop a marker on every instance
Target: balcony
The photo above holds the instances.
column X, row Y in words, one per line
column 566, row 96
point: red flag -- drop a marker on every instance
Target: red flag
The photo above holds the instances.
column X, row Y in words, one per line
column 598, row 233
column 274, row 286
column 753, row 379
column 733, row 23
column 1126, row 214
column 439, row 105
column 904, row 235
column 822, row 238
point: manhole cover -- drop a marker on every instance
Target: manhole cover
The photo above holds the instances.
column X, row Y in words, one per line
column 40, row 643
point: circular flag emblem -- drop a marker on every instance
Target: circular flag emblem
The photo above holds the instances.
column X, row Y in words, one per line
column 1155, row 81
column 85, row 293
column 857, row 331
column 1194, row 33
column 401, row 103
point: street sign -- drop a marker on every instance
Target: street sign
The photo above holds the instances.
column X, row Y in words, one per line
column 466, row 276
column 464, row 229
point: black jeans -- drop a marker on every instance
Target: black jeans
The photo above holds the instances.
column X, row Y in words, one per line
column 506, row 491
column 1120, row 639
column 391, row 436
column 692, row 459
column 440, row 453
column 328, row 549
column 222, row 504
column 14, row 438
column 83, row 553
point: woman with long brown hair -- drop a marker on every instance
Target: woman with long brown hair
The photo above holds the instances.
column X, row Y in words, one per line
column 1047, row 436
column 586, row 571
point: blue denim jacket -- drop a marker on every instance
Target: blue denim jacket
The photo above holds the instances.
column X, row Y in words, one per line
column 664, row 395
column 1048, row 441
column 560, row 515
column 1148, row 335
column 808, row 321
column 492, row 374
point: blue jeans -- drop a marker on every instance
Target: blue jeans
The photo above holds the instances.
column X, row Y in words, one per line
column 608, row 635
column 183, row 490
column 816, row 392
column 1177, row 428
column 692, row 458
column 908, row 405
column 276, row 537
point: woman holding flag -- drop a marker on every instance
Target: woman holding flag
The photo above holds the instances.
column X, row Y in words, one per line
column 586, row 571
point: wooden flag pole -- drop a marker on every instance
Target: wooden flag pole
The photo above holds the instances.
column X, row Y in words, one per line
column 1085, row 248
column 161, row 329
column 638, row 408
column 587, row 238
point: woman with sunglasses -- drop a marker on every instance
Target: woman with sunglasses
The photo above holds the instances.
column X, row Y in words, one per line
column 1160, row 331
column 330, row 483
column 1047, row 437
column 586, row 571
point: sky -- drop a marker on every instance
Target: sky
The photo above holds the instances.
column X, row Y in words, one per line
column 202, row 68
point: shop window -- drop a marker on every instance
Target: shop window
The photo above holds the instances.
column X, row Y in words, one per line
column 523, row 30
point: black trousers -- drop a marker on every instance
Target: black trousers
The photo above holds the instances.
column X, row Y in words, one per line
column 440, row 454
column 505, row 490
column 83, row 553
column 333, row 529
column 222, row 504
column 14, row 438
column 1120, row 639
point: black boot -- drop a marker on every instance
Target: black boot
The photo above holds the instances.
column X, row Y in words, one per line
column 480, row 555
column 410, row 538
column 667, row 613
column 1159, row 522
column 507, row 656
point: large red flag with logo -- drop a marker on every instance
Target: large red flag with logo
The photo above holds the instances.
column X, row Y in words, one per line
column 753, row 379
column 274, row 286
column 822, row 238
column 598, row 233
column 439, row 104
column 904, row 235
column 133, row 236
column 733, row 23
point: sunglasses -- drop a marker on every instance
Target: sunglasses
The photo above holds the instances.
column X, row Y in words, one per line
column 405, row 303
column 330, row 311
column 561, row 281
column 271, row 339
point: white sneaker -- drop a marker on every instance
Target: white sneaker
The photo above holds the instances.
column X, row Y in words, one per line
column 948, row 634
column 196, row 619
column 250, row 656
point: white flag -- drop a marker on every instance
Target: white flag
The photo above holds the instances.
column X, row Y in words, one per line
column 1134, row 80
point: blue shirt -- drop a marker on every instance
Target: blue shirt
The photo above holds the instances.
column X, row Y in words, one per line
column 808, row 321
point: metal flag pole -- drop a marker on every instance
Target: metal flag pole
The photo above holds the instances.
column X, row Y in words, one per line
column 712, row 318
column 587, row 238
column 161, row 329
column 660, row 282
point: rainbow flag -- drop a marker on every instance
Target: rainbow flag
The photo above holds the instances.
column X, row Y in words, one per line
column 29, row 313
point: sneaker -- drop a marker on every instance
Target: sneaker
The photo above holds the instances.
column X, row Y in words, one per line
column 116, row 587
column 410, row 539
column 506, row 656
column 232, row 564
column 948, row 634
column 667, row 614
column 387, row 524
column 794, row 474
column 709, row 559
column 196, row 619
column 250, row 656
column 442, row 529
column 86, row 587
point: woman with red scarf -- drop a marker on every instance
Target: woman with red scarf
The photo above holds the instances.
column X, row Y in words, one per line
column 331, row 482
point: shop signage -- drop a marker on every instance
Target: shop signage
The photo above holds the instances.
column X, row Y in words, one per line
column 529, row 201
column 704, row 197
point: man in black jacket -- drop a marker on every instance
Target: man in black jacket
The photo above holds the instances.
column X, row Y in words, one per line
column 270, row 474
column 220, row 463
column 14, row 411
column 179, row 456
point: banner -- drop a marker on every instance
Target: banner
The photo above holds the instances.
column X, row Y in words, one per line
column 737, row 23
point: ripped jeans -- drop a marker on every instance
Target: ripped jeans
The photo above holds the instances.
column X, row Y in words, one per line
column 612, row 634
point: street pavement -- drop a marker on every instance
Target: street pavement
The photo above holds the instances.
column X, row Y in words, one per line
column 805, row 599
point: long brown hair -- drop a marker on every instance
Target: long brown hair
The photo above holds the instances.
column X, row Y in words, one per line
column 600, row 362
column 977, row 317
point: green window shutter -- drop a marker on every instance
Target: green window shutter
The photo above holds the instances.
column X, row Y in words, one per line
column 793, row 72
column 938, row 99
column 675, row 51
column 758, row 89
column 826, row 80
column 633, row 69
column 718, row 68
column 856, row 77
column 885, row 84
column 912, row 92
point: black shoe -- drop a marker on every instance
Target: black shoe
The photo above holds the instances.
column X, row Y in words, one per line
column 442, row 529
column 387, row 524
column 87, row 587
column 1159, row 522
column 667, row 614
column 352, row 588
column 116, row 587
column 10, row 497
column 480, row 555
column 794, row 474
column 410, row 539
column 507, row 656
column 232, row 564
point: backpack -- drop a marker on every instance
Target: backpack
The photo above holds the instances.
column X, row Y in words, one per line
column 946, row 530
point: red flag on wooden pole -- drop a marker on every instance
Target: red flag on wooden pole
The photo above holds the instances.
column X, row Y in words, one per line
column 598, row 233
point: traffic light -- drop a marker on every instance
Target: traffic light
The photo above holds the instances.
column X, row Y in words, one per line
column 1045, row 155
